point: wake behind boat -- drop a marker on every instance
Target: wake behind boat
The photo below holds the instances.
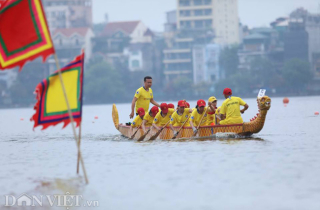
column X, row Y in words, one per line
column 245, row 129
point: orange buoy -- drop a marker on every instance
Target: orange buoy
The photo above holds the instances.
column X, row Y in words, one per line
column 21, row 119
column 96, row 117
column 316, row 113
column 285, row 100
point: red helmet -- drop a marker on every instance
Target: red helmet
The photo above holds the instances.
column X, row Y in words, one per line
column 181, row 103
column 164, row 108
column 187, row 105
column 141, row 112
column 170, row 106
column 154, row 110
column 227, row 91
column 201, row 103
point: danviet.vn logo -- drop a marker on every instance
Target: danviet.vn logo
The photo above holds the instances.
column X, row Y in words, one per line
column 68, row 200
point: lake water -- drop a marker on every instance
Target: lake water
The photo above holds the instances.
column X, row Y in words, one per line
column 279, row 168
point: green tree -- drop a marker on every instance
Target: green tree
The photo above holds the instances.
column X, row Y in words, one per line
column 229, row 60
column 103, row 84
column 265, row 74
column 182, row 87
column 296, row 74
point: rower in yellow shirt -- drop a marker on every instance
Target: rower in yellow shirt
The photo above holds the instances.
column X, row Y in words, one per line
column 180, row 116
column 230, row 109
column 162, row 117
column 137, row 120
column 199, row 115
column 148, row 118
column 212, row 111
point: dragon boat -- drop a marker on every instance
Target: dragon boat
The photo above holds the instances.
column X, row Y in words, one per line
column 245, row 129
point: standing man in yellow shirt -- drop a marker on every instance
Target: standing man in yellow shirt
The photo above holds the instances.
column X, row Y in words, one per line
column 230, row 109
column 143, row 97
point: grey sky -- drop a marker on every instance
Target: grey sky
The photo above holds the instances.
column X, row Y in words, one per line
column 152, row 12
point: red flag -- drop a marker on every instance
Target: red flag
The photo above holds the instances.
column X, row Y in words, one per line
column 24, row 33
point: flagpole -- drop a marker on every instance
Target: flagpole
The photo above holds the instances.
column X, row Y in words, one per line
column 79, row 142
column 71, row 117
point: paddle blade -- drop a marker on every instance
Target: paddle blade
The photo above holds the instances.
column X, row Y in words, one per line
column 195, row 133
column 155, row 135
column 142, row 137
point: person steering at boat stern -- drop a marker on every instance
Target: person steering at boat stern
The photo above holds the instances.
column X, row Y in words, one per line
column 137, row 120
column 148, row 118
column 230, row 109
column 180, row 116
column 199, row 114
column 143, row 97
column 163, row 117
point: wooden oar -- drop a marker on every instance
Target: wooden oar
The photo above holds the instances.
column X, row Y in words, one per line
column 175, row 136
column 158, row 133
column 195, row 133
column 144, row 135
column 135, row 132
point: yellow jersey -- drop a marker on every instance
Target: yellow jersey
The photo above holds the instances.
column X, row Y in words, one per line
column 144, row 98
column 196, row 117
column 161, row 121
column 231, row 108
column 149, row 119
column 136, row 122
column 178, row 120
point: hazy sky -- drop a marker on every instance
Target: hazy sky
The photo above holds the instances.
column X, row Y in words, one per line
column 152, row 12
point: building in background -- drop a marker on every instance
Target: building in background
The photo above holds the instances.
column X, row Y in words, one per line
column 68, row 13
column 131, row 43
column 171, row 24
column 296, row 40
column 221, row 16
column 206, row 63
column 259, row 43
column 69, row 42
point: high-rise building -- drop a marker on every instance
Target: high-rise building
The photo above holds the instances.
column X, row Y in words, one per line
column 219, row 15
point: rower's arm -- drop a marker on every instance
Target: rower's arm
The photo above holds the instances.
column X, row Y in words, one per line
column 144, row 125
column 191, row 123
column 211, row 107
column 155, row 126
column 171, row 126
column 133, row 103
column 154, row 102
column 246, row 106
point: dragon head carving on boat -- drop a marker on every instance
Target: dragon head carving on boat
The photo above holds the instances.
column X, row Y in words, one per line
column 257, row 123
column 264, row 103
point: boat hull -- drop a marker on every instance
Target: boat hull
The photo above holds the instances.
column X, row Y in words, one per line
column 187, row 132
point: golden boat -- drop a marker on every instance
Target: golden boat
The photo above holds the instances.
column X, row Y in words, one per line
column 245, row 129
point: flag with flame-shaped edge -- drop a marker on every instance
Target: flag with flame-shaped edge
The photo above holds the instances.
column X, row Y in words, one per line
column 51, row 107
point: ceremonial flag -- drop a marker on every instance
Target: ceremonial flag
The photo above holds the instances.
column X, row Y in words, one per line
column 24, row 33
column 51, row 107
